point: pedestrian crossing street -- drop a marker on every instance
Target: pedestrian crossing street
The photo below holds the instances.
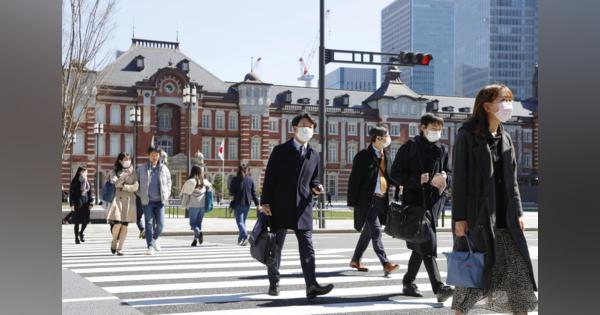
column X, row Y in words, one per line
column 221, row 278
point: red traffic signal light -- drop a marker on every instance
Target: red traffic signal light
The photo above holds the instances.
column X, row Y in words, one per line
column 411, row 58
column 424, row 59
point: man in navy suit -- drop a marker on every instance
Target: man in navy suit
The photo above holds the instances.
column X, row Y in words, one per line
column 291, row 180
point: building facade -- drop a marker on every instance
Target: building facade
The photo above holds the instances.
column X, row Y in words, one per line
column 422, row 26
column 251, row 117
column 495, row 41
column 355, row 79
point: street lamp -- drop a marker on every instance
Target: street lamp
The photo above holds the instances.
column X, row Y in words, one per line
column 73, row 138
column 98, row 131
column 135, row 117
column 189, row 98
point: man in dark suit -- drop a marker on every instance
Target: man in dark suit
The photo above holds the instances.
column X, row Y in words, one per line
column 291, row 178
column 368, row 189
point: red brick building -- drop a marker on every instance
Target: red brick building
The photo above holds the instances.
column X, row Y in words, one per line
column 251, row 117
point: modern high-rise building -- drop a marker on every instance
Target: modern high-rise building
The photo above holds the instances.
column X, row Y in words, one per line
column 422, row 26
column 355, row 79
column 496, row 41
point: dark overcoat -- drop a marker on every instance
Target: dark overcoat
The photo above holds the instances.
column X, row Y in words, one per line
column 362, row 183
column 407, row 170
column 473, row 195
column 287, row 187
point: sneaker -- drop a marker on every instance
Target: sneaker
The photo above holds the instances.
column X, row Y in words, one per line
column 156, row 245
column 244, row 242
column 194, row 242
column 444, row 293
column 142, row 234
column 201, row 239
column 150, row 251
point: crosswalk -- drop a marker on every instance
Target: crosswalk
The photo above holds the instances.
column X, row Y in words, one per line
column 220, row 278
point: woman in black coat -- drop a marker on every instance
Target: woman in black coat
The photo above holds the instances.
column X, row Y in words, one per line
column 243, row 192
column 487, row 208
column 81, row 201
column 421, row 167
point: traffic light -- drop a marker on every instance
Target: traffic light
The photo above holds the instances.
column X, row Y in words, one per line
column 328, row 56
column 412, row 58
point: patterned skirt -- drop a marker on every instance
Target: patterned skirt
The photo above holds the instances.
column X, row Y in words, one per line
column 511, row 290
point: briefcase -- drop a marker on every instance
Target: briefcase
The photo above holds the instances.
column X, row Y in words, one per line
column 263, row 244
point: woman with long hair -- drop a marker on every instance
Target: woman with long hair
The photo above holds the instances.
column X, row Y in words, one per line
column 80, row 195
column 122, row 210
column 487, row 210
column 193, row 198
column 243, row 192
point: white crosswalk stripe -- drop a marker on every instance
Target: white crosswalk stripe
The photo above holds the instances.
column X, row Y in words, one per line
column 183, row 280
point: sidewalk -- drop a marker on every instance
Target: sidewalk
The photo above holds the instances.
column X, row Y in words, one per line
column 227, row 226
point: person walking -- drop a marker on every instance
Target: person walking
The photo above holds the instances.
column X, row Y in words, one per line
column 154, row 191
column 243, row 192
column 80, row 199
column 368, row 189
column 328, row 199
column 193, row 198
column 122, row 210
column 291, row 180
column 421, row 167
column 486, row 207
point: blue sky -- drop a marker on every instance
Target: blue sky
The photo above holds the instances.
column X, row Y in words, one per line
column 222, row 35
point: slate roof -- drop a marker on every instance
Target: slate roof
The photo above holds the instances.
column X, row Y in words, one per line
column 156, row 58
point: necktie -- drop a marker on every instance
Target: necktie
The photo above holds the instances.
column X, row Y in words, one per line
column 383, row 183
column 301, row 151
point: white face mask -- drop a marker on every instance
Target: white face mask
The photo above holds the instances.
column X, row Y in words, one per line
column 504, row 112
column 126, row 164
column 387, row 142
column 433, row 136
column 304, row 133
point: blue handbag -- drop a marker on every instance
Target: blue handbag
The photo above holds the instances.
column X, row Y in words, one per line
column 208, row 201
column 465, row 269
column 108, row 192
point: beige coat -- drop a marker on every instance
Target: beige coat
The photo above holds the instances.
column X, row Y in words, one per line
column 123, row 207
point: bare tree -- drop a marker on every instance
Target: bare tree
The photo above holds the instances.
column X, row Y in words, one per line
column 87, row 25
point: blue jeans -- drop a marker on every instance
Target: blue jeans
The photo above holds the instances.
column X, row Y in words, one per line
column 196, row 216
column 155, row 210
column 241, row 213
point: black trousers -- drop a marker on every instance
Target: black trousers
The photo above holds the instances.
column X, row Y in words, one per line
column 371, row 232
column 307, row 256
column 414, row 264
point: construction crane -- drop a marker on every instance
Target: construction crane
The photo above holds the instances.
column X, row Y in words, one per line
column 305, row 63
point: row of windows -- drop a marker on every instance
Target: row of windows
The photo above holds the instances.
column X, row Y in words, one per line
column 165, row 118
column 363, row 86
column 117, row 116
column 231, row 146
column 114, row 144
